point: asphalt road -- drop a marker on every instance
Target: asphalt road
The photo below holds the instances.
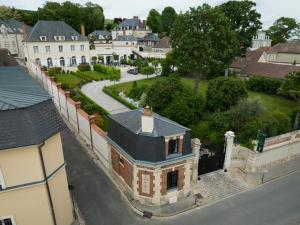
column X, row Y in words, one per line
column 274, row 203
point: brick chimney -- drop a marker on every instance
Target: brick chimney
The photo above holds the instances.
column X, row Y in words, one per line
column 82, row 29
column 24, row 31
column 147, row 121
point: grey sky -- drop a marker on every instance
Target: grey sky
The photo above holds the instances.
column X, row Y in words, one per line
column 270, row 9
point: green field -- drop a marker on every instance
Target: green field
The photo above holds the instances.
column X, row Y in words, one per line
column 71, row 80
column 271, row 102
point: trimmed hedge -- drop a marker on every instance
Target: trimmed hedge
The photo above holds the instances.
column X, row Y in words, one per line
column 54, row 70
column 84, row 67
column 263, row 84
column 118, row 98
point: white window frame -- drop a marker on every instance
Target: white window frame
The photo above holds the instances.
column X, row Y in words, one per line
column 62, row 48
column 36, row 49
column 74, row 38
column 72, row 48
column 82, row 48
column 43, row 38
column 59, row 38
column 8, row 217
column 2, row 180
column 47, row 48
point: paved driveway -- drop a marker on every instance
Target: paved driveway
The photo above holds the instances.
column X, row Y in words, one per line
column 94, row 91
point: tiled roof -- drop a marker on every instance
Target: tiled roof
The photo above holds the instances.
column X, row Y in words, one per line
column 163, row 43
column 288, row 47
column 151, row 37
column 271, row 70
column 51, row 29
column 162, row 126
column 27, row 113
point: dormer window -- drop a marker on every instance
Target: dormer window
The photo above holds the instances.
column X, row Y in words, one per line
column 74, row 38
column 173, row 146
column 59, row 38
column 43, row 38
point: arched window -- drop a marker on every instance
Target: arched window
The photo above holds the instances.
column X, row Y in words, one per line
column 83, row 59
column 38, row 61
column 49, row 62
column 73, row 60
column 62, row 61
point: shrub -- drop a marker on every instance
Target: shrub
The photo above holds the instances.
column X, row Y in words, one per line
column 223, row 93
column 263, row 84
column 101, row 68
column 54, row 70
column 147, row 70
column 65, row 86
column 89, row 108
column 84, row 67
column 136, row 92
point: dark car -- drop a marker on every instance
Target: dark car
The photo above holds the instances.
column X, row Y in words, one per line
column 134, row 71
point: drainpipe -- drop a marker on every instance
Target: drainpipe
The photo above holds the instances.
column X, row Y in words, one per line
column 46, row 180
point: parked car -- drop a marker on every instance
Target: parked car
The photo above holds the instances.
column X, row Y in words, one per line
column 133, row 71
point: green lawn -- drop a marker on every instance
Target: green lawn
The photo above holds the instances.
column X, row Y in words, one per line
column 71, row 80
column 95, row 75
column 271, row 102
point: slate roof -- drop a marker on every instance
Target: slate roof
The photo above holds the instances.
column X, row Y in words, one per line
column 51, row 29
column 15, row 27
column 100, row 32
column 251, row 57
column 27, row 113
column 288, row 47
column 151, row 37
column 162, row 126
column 130, row 23
column 5, row 59
column 125, row 38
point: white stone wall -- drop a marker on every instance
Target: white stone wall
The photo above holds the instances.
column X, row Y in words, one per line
column 12, row 42
column 84, row 127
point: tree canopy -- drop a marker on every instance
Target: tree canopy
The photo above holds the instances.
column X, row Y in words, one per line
column 282, row 29
column 202, row 39
column 9, row 13
column 168, row 17
column 244, row 19
column 154, row 21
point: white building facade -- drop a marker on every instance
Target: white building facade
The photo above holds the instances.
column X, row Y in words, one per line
column 261, row 40
column 12, row 36
column 56, row 44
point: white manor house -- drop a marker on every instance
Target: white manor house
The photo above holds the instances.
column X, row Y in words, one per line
column 55, row 43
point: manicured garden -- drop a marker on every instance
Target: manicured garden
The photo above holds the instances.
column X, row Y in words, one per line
column 271, row 102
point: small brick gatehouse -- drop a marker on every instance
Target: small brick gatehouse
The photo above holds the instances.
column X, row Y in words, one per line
column 152, row 156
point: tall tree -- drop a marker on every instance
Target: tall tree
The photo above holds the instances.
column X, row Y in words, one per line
column 168, row 17
column 282, row 29
column 154, row 21
column 93, row 17
column 202, row 39
column 29, row 17
column 9, row 13
column 244, row 19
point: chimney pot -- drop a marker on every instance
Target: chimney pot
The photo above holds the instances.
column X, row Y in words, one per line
column 147, row 121
column 82, row 29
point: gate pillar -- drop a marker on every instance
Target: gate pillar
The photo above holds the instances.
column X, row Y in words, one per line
column 229, row 138
column 196, row 147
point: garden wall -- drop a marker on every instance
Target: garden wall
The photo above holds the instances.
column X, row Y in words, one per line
column 277, row 150
column 79, row 120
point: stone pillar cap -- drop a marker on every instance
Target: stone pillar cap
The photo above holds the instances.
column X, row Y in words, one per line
column 229, row 134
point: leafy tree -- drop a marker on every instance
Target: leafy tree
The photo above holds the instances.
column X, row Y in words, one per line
column 93, row 17
column 244, row 19
column 9, row 13
column 223, row 93
column 29, row 17
column 282, row 29
column 110, row 26
column 162, row 92
column 202, row 39
column 168, row 64
column 290, row 87
column 147, row 70
column 168, row 17
column 154, row 21
column 185, row 108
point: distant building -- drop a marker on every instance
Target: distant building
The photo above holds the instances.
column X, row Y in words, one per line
column 261, row 40
column 54, row 43
column 275, row 62
column 134, row 27
column 152, row 156
column 12, row 34
column 33, row 181
column 101, row 36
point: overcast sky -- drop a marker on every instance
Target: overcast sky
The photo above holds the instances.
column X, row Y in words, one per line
column 270, row 9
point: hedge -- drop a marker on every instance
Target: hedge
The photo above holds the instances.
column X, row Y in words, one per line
column 118, row 98
column 263, row 84
column 84, row 67
column 54, row 70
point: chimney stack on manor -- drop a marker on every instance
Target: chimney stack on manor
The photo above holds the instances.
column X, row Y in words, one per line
column 147, row 121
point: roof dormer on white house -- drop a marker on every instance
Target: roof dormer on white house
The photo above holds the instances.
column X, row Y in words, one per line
column 54, row 43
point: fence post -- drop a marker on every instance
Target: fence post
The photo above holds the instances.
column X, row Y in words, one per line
column 229, row 138
column 58, row 85
column 77, row 106
column 92, row 121
column 67, row 94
